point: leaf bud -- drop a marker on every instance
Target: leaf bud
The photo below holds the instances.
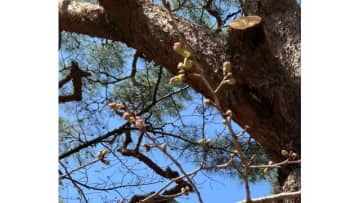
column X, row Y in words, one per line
column 106, row 162
column 284, row 153
column 229, row 113
column 293, row 155
column 163, row 147
column 266, row 170
column 226, row 67
column 231, row 81
column 202, row 142
column 101, row 155
column 180, row 49
column 207, row 102
column 188, row 63
column 181, row 66
column 181, row 71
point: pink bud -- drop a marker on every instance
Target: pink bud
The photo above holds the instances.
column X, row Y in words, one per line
column 112, row 105
column 178, row 46
column 180, row 49
column 227, row 63
column 126, row 115
column 115, row 106
column 139, row 122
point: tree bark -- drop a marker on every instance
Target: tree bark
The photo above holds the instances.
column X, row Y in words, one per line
column 265, row 58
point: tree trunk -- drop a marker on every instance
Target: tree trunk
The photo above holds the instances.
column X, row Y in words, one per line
column 265, row 58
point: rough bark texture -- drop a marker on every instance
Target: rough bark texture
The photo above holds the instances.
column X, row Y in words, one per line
column 266, row 59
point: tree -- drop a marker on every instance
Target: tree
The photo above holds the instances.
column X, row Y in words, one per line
column 263, row 50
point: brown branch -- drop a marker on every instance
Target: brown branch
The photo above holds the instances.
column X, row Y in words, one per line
column 180, row 5
column 231, row 15
column 78, row 168
column 114, row 187
column 167, row 173
column 158, row 198
column 133, row 64
column 150, row 197
column 68, row 176
column 215, row 13
column 116, row 79
column 187, row 175
column 76, row 74
column 117, row 131
column 193, row 186
column 93, row 142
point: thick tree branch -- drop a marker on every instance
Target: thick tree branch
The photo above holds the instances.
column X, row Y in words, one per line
column 83, row 18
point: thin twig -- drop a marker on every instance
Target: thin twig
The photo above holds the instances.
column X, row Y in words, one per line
column 178, row 165
column 68, row 176
column 271, row 198
column 168, row 183
column 80, row 167
column 277, row 165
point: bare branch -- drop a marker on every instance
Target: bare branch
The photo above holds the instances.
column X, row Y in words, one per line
column 93, row 141
column 76, row 74
column 80, row 167
column 271, row 198
column 68, row 176
column 277, row 165
column 214, row 13
column 178, row 165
